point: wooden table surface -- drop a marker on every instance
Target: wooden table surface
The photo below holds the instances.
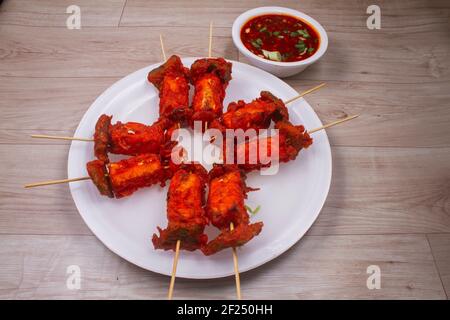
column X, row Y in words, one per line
column 389, row 203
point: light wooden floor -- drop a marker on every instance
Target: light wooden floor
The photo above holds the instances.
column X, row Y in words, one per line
column 389, row 204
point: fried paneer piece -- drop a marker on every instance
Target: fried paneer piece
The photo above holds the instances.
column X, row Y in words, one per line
column 217, row 66
column 257, row 114
column 208, row 98
column 227, row 192
column 137, row 172
column 122, row 178
column 174, row 98
column 172, row 81
column 289, row 141
column 210, row 77
column 173, row 65
column 232, row 239
column 185, row 210
column 133, row 138
column 99, row 175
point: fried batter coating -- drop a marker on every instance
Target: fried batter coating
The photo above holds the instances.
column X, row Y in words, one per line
column 217, row 66
column 227, row 192
column 131, row 174
column 232, row 239
column 101, row 138
column 257, row 114
column 185, row 212
column 99, row 176
column 289, row 141
column 208, row 98
column 210, row 77
column 133, row 138
column 172, row 81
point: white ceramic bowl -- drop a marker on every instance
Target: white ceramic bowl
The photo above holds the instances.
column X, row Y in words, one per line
column 280, row 69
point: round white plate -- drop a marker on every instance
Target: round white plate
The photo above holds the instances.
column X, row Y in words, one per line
column 290, row 200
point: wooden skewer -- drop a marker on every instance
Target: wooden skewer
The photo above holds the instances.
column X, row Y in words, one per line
column 304, row 93
column 174, row 270
column 178, row 244
column 331, row 124
column 46, row 183
column 162, row 47
column 44, row 136
column 210, row 39
column 236, row 268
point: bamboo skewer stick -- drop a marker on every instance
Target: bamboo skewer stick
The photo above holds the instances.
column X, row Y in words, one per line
column 46, row 183
column 210, row 39
column 162, row 47
column 331, row 124
column 236, row 268
column 174, row 270
column 178, row 244
column 44, row 136
column 304, row 93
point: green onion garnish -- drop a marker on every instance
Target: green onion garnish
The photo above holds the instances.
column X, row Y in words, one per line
column 263, row 29
column 272, row 55
column 304, row 33
column 276, row 33
column 300, row 45
column 253, row 211
column 255, row 44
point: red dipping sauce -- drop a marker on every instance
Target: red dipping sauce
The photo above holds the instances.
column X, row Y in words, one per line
column 280, row 37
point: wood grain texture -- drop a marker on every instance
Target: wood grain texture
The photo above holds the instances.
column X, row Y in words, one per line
column 50, row 13
column 344, row 15
column 369, row 56
column 398, row 113
column 34, row 267
column 440, row 247
column 387, row 190
column 99, row 52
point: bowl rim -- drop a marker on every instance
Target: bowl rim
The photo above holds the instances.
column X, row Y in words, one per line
column 249, row 14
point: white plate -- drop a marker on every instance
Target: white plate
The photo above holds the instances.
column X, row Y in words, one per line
column 290, row 200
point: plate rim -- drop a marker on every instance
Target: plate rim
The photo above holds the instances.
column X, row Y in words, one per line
column 289, row 244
